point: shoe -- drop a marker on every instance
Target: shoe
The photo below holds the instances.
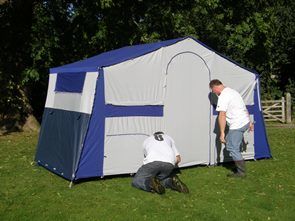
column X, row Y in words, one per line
column 178, row 185
column 236, row 175
column 156, row 186
column 240, row 170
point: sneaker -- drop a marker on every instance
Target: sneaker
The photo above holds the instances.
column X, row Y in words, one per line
column 156, row 186
column 178, row 185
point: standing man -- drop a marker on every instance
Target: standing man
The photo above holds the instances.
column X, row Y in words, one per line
column 160, row 159
column 233, row 112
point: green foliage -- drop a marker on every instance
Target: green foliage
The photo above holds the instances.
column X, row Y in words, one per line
column 29, row 192
column 14, row 58
column 30, row 75
column 38, row 35
column 264, row 40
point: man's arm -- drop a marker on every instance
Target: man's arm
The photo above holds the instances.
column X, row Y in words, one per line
column 176, row 152
column 222, row 124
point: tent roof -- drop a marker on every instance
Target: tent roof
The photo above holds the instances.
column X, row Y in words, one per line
column 116, row 56
column 113, row 57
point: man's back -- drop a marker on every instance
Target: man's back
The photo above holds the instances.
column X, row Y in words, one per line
column 231, row 102
column 159, row 148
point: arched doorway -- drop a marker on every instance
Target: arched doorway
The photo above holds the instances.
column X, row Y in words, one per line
column 187, row 107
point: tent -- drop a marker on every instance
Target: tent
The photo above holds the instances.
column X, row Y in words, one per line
column 99, row 110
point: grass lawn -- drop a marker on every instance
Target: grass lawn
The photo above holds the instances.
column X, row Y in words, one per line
column 29, row 192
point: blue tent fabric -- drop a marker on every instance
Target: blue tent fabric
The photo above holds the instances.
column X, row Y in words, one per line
column 262, row 149
column 91, row 161
column 70, row 82
column 113, row 57
column 125, row 111
column 69, row 129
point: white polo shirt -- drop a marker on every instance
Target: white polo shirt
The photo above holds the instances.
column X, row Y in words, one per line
column 231, row 102
column 155, row 150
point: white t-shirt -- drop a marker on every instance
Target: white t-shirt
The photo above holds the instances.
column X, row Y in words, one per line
column 231, row 102
column 156, row 150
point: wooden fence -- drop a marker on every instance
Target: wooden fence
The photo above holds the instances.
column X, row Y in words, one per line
column 278, row 110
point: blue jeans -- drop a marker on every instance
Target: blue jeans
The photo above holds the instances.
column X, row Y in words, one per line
column 161, row 170
column 234, row 140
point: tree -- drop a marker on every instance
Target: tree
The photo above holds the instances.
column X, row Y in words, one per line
column 261, row 36
column 38, row 35
column 16, row 20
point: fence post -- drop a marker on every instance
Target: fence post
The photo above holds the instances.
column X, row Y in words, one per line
column 283, row 110
column 288, row 108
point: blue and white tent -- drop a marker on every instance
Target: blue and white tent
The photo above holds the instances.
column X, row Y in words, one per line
column 99, row 110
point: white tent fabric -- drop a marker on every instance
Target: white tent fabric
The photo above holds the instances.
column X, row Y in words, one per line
column 176, row 77
column 127, row 133
column 128, row 83
column 187, row 104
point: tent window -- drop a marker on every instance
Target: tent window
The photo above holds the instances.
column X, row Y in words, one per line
column 72, row 82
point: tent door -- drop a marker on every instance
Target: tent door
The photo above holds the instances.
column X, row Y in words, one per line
column 187, row 107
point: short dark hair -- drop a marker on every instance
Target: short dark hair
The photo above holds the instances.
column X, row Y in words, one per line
column 215, row 82
column 158, row 132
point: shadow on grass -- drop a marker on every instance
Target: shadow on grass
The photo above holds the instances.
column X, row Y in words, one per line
column 228, row 165
column 176, row 171
column 110, row 177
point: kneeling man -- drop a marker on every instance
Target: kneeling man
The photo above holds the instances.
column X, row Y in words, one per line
column 157, row 172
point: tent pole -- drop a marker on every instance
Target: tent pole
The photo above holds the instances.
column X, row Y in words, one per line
column 71, row 184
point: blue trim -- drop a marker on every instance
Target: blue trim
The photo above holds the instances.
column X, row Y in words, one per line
column 113, row 57
column 91, row 161
column 70, row 82
column 262, row 149
column 126, row 111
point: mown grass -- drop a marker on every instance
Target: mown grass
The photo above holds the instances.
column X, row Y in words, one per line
column 29, row 192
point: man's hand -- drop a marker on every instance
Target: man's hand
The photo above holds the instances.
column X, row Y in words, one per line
column 251, row 127
column 222, row 138
column 222, row 124
column 178, row 159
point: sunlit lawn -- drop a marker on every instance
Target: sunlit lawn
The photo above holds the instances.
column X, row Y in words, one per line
column 29, row 192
